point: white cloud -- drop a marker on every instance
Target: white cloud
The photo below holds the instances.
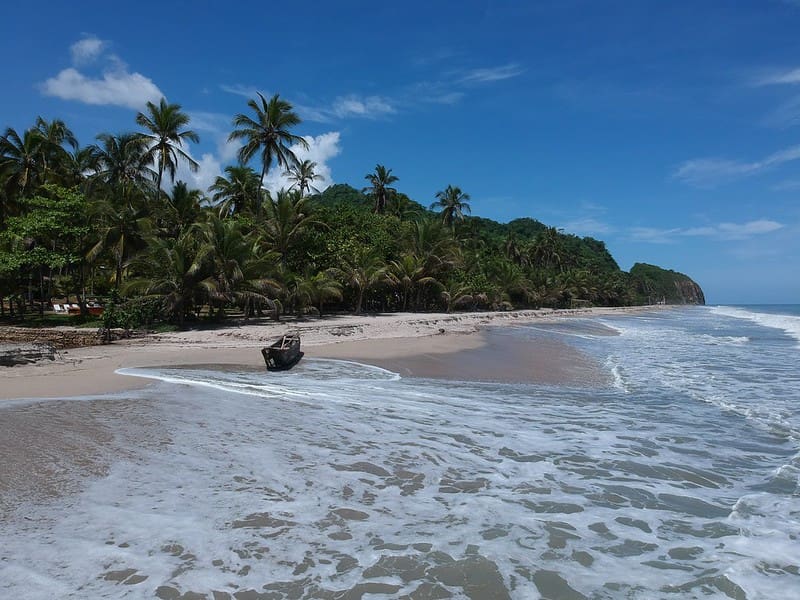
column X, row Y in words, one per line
column 320, row 150
column 247, row 91
column 780, row 78
column 490, row 74
column 653, row 235
column 720, row 231
column 208, row 169
column 369, row 107
column 87, row 50
column 736, row 231
column 132, row 90
column 350, row 106
column 709, row 172
column 114, row 86
column 588, row 226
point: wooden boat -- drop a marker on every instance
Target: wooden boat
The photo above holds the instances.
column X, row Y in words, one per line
column 282, row 354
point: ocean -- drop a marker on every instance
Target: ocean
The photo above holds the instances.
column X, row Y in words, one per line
column 677, row 478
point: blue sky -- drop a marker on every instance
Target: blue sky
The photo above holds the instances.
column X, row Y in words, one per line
column 667, row 129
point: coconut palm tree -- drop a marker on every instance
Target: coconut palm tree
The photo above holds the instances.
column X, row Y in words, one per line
column 165, row 135
column 238, row 192
column 173, row 269
column 455, row 294
column 122, row 164
column 54, row 134
column 183, row 208
column 410, row 275
column 434, row 245
column 77, row 165
column 361, row 272
column 287, row 218
column 302, row 174
column 21, row 161
column 121, row 228
column 267, row 134
column 453, row 204
column 238, row 265
column 380, row 187
column 314, row 289
column 548, row 249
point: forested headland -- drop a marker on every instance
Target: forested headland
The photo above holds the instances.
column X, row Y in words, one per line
column 108, row 222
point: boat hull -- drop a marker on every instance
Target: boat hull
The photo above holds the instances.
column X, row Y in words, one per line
column 283, row 354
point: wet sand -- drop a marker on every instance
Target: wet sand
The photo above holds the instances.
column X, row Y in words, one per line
column 485, row 356
column 404, row 343
column 50, row 446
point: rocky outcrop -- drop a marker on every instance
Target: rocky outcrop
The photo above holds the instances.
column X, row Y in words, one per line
column 21, row 354
column 688, row 292
column 655, row 285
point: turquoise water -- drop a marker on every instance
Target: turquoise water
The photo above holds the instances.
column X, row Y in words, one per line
column 338, row 480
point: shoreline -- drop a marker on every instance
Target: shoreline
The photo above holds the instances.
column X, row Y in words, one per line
column 390, row 341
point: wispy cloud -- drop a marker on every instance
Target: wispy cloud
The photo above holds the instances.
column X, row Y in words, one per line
column 710, row 172
column 720, row 231
column 489, row 74
column 351, row 106
column 247, row 91
column 115, row 85
column 786, row 186
column 369, row 107
column 218, row 126
column 784, row 77
column 588, row 226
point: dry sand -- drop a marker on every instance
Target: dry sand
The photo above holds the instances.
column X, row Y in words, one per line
column 391, row 341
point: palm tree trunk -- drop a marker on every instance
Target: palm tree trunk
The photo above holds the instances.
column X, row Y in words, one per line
column 360, row 299
column 261, row 181
column 41, row 292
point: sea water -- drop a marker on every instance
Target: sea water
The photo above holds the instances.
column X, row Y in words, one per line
column 677, row 479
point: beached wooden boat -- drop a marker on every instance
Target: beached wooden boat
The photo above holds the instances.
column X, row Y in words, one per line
column 282, row 354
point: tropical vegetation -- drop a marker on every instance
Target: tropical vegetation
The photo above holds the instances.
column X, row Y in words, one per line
column 108, row 221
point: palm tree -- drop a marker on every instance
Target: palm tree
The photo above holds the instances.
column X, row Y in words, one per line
column 267, row 134
column 432, row 243
column 183, row 208
column 238, row 192
column 287, row 218
column 315, row 289
column 174, row 270
column 21, row 160
column 54, row 134
column 121, row 228
column 453, row 204
column 361, row 272
column 409, row 274
column 302, row 174
column 455, row 293
column 122, row 163
column 164, row 124
column 379, row 188
column 238, row 264
column 77, row 164
column 548, row 249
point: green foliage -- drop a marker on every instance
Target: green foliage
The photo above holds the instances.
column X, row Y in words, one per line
column 74, row 218
column 136, row 313
column 653, row 284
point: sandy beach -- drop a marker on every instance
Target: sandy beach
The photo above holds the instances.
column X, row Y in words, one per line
column 391, row 341
column 49, row 446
